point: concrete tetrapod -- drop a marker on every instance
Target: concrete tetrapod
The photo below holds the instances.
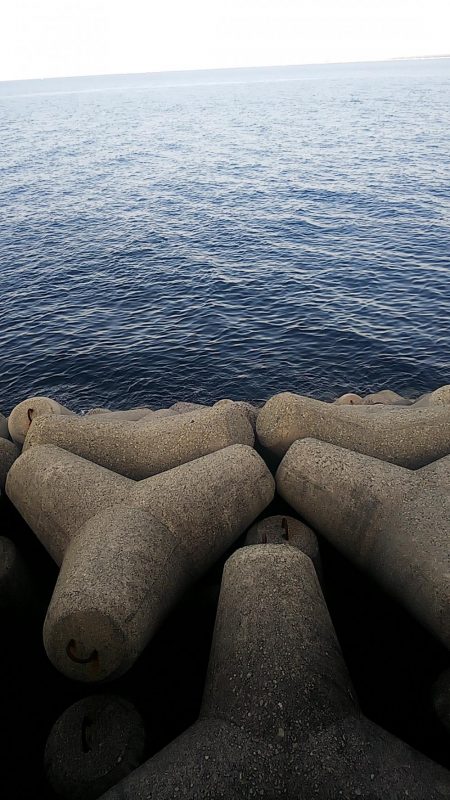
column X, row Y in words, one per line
column 139, row 450
column 439, row 397
column 349, row 399
column 8, row 454
column 25, row 412
column 391, row 522
column 386, row 396
column 278, row 716
column 282, row 529
column 129, row 550
column 409, row 437
column 250, row 410
column 93, row 745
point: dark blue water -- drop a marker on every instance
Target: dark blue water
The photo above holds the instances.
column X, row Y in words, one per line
column 225, row 234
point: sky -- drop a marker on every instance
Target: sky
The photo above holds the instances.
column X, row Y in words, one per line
column 57, row 38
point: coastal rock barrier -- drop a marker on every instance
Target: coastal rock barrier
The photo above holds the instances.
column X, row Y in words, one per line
column 186, row 591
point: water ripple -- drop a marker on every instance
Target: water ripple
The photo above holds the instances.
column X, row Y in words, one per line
column 203, row 241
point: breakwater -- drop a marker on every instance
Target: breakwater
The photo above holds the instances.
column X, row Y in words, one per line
column 182, row 585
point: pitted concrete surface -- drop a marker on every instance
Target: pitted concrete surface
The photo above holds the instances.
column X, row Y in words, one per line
column 392, row 522
column 410, row 437
column 279, row 716
column 139, row 450
column 128, row 550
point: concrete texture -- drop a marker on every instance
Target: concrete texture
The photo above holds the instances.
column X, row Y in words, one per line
column 388, row 397
column 8, row 454
column 148, row 448
column 392, row 522
column 92, row 746
column 161, row 412
column 441, row 698
column 25, row 412
column 15, row 585
column 131, row 415
column 282, row 529
column 378, row 409
column 129, row 549
column 4, row 432
column 181, row 408
column 56, row 492
column 250, row 410
column 437, row 473
column 279, row 717
column 409, row 437
column 440, row 397
column 349, row 399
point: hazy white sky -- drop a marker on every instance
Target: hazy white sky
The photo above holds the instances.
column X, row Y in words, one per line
column 46, row 38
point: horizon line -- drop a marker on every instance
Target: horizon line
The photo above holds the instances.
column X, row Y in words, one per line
column 228, row 69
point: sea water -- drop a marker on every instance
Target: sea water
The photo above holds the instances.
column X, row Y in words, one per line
column 225, row 234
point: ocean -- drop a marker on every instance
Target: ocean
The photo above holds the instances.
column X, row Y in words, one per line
column 234, row 233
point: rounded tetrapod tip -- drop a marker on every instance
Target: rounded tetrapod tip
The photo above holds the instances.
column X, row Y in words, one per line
column 102, row 610
column 92, row 746
column 349, row 399
column 25, row 412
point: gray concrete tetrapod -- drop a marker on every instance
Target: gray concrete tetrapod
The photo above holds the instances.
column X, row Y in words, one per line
column 8, row 454
column 93, row 745
column 129, row 550
column 282, row 529
column 440, row 397
column 279, row 717
column 139, row 450
column 250, row 410
column 25, row 412
column 409, row 437
column 391, row 522
column 386, row 396
column 349, row 399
